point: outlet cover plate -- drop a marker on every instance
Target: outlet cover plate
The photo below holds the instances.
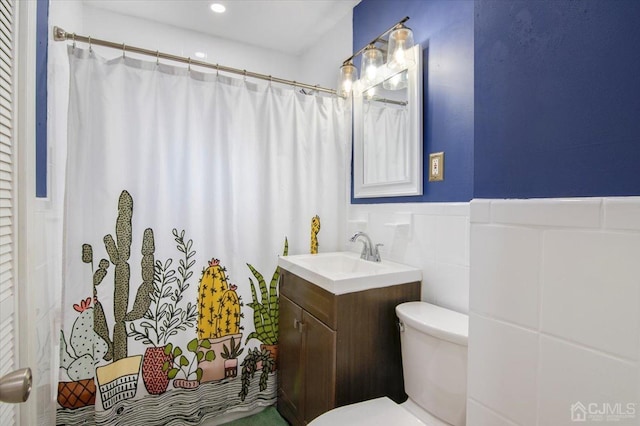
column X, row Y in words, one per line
column 436, row 166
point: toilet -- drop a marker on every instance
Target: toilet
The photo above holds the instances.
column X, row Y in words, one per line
column 434, row 361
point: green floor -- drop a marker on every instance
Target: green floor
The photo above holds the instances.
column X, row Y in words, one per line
column 268, row 417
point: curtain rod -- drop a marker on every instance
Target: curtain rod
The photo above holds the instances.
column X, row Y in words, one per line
column 60, row 34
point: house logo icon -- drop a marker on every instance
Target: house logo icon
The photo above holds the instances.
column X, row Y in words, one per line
column 578, row 412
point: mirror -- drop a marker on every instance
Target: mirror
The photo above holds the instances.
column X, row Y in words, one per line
column 388, row 133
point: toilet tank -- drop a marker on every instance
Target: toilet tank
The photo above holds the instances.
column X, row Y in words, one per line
column 434, row 360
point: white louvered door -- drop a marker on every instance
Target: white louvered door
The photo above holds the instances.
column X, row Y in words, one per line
column 8, row 296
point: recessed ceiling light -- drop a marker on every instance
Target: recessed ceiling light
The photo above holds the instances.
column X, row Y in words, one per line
column 218, row 8
column 201, row 55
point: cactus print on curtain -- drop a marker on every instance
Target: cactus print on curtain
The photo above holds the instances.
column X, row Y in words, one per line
column 178, row 201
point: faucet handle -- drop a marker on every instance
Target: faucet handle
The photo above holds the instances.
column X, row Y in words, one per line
column 376, row 253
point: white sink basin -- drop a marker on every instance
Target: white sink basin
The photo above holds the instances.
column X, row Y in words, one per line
column 345, row 272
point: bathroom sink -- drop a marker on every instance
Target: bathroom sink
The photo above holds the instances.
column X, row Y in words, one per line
column 345, row 272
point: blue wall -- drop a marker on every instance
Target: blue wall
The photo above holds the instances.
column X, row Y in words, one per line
column 555, row 111
column 42, row 36
column 444, row 28
column 557, row 98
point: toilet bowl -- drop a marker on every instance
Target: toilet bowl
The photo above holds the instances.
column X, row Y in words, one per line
column 434, row 360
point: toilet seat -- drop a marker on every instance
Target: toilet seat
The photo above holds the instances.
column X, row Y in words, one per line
column 374, row 412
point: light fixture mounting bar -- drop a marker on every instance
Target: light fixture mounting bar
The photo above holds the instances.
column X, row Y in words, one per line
column 375, row 40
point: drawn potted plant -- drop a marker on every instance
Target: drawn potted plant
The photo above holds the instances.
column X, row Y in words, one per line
column 119, row 380
column 187, row 368
column 230, row 355
column 218, row 317
column 265, row 311
column 77, row 359
column 165, row 317
column 250, row 365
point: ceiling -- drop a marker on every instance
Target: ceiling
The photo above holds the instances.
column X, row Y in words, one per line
column 288, row 26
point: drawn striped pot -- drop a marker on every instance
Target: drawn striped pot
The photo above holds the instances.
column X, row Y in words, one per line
column 155, row 380
column 119, row 380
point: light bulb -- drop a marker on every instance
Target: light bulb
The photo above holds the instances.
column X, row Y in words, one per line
column 371, row 62
column 399, row 55
column 371, row 72
column 400, row 43
column 348, row 75
column 347, row 85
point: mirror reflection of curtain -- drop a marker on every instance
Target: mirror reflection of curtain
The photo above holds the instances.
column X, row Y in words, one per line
column 385, row 142
column 176, row 181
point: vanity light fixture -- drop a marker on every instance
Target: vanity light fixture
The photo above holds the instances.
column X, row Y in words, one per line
column 218, row 7
column 400, row 42
column 348, row 77
column 371, row 62
column 398, row 81
column 399, row 57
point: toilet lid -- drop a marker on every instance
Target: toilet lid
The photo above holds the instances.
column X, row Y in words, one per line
column 379, row 411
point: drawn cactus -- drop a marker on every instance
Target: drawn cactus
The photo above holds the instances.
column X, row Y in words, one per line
column 218, row 303
column 229, row 315
column 85, row 346
column 315, row 228
column 119, row 251
column 265, row 312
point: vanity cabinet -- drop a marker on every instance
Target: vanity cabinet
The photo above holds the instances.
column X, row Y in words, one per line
column 336, row 350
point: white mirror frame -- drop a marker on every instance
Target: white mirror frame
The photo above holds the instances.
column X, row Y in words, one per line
column 412, row 185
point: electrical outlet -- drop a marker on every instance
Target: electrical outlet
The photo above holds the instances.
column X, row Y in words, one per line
column 436, row 166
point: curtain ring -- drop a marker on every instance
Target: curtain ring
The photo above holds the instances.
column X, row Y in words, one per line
column 189, row 61
column 217, row 70
column 270, row 80
column 245, row 75
column 89, row 43
column 124, row 48
column 157, row 57
column 74, row 41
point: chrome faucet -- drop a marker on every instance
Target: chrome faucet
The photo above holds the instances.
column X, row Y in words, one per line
column 369, row 251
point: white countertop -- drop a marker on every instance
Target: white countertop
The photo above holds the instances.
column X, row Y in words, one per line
column 345, row 272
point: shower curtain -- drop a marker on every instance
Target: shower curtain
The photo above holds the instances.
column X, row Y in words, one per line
column 386, row 153
column 182, row 189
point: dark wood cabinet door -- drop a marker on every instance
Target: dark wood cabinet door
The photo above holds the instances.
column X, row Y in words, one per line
column 291, row 381
column 319, row 360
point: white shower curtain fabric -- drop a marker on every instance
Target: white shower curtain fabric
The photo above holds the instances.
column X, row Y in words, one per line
column 385, row 147
column 233, row 166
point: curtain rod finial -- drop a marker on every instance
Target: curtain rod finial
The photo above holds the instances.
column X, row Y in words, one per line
column 59, row 34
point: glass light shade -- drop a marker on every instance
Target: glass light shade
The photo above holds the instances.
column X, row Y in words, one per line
column 396, row 82
column 371, row 63
column 348, row 76
column 370, row 93
column 400, row 43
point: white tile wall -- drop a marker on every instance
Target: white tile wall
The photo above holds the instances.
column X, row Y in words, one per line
column 479, row 415
column 590, row 287
column 571, row 373
column 432, row 236
column 507, row 355
column 507, row 260
column 555, row 310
